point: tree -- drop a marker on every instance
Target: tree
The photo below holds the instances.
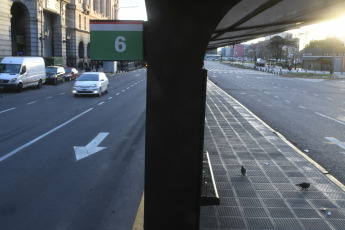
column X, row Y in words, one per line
column 326, row 43
column 276, row 47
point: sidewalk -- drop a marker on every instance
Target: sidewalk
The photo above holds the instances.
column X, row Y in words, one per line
column 266, row 198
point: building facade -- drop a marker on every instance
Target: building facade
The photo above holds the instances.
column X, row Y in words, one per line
column 57, row 30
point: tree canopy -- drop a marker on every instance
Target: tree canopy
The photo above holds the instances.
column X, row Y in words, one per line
column 326, row 43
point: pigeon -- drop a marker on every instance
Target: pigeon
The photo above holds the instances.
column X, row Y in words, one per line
column 243, row 171
column 304, row 185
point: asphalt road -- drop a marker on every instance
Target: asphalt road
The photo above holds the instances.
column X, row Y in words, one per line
column 44, row 184
column 308, row 112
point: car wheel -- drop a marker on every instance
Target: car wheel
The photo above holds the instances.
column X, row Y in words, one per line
column 20, row 87
column 63, row 79
column 100, row 92
column 39, row 84
column 76, row 95
column 106, row 91
column 56, row 81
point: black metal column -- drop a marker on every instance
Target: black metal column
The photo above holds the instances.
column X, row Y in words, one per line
column 176, row 39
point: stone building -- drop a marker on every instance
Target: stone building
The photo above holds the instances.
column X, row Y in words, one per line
column 57, row 30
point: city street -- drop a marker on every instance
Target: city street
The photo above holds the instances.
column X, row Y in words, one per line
column 308, row 112
column 73, row 162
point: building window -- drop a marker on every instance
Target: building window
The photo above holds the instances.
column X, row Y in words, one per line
column 79, row 22
column 84, row 23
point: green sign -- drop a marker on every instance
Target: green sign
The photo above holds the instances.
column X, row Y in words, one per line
column 116, row 40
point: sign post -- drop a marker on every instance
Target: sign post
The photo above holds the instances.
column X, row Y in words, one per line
column 114, row 40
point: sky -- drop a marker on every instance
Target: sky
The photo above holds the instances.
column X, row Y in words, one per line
column 320, row 31
column 132, row 10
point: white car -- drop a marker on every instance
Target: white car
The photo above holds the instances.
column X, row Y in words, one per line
column 91, row 83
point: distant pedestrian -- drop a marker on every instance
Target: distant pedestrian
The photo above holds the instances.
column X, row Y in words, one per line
column 97, row 66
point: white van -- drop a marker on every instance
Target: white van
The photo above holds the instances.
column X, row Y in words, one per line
column 20, row 72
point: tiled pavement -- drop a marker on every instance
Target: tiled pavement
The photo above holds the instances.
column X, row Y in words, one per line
column 266, row 198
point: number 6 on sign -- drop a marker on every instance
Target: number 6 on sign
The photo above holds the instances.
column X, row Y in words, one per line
column 116, row 40
column 120, row 45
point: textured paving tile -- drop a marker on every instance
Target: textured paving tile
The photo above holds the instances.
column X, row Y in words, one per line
column 267, row 197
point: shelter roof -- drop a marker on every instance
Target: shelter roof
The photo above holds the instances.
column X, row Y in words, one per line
column 250, row 19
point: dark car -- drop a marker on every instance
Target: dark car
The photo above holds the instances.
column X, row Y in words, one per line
column 71, row 73
column 55, row 74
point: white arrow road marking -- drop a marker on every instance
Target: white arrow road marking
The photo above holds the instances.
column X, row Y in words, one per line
column 337, row 142
column 91, row 148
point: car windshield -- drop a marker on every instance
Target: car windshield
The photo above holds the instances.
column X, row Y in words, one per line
column 88, row 77
column 10, row 68
column 51, row 70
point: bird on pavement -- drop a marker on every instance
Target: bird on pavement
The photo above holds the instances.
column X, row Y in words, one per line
column 304, row 185
column 243, row 171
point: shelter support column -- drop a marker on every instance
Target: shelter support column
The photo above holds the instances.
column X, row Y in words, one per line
column 176, row 40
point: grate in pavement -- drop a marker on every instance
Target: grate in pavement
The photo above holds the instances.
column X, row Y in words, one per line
column 232, row 223
column 338, row 224
column 287, row 224
column 259, row 223
column 254, row 212
column 314, row 224
column 259, row 179
column 278, row 203
column 306, row 213
column 250, row 202
column 298, row 203
column 229, row 211
column 280, row 213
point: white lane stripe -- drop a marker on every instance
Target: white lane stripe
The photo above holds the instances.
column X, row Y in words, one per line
column 42, row 136
column 101, row 103
column 30, row 103
column 110, row 98
column 302, row 107
column 315, row 94
column 117, row 94
column 48, row 97
column 329, row 98
column 123, row 90
column 137, row 75
column 62, row 93
column 277, row 97
column 334, row 140
column 322, row 115
column 287, row 101
column 7, row 110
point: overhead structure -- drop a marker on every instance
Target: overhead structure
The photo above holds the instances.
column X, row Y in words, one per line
column 250, row 19
column 176, row 39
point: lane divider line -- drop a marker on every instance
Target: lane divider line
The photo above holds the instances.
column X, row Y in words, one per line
column 7, row 110
column 42, row 136
column 322, row 115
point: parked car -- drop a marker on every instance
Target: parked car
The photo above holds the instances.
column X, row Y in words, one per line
column 20, row 72
column 55, row 74
column 71, row 73
column 94, row 83
column 260, row 62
